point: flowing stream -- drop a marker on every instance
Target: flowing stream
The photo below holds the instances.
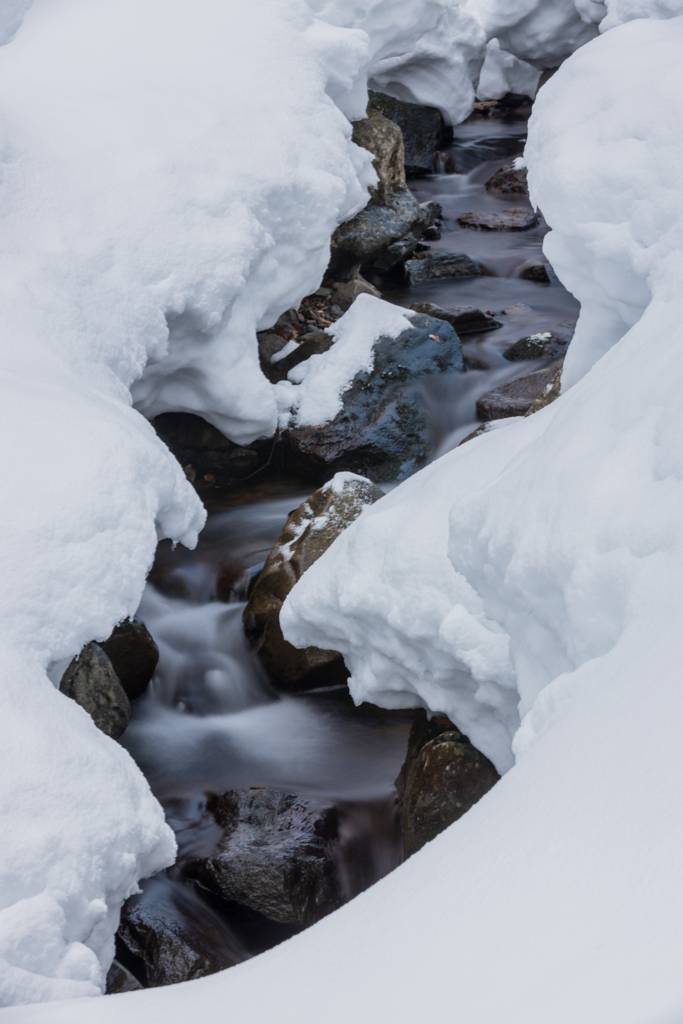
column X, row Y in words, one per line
column 209, row 721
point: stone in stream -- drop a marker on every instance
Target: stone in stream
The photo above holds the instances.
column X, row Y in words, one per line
column 90, row 680
column 308, row 532
column 209, row 459
column 381, row 431
column 550, row 393
column 443, row 776
column 508, row 181
column 133, row 655
column 517, row 396
column 423, row 131
column 541, row 273
column 463, row 319
column 543, row 345
column 273, row 856
column 514, row 219
column 433, row 266
column 120, row 979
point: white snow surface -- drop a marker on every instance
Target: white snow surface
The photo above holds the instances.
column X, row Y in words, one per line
column 503, row 73
column 621, row 11
column 540, row 32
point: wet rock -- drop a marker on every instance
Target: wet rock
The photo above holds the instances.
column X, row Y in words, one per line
column 543, row 345
column 133, row 655
column 308, row 532
column 432, row 234
column 381, row 431
column 314, row 344
column 507, row 220
column 120, row 979
column 549, row 394
column 423, row 131
column 443, row 776
column 274, row 856
column 347, row 293
column 392, row 212
column 90, row 680
column 437, row 265
column 517, row 396
column 463, row 319
column 542, row 273
column 508, row 181
column 214, row 461
column 173, row 936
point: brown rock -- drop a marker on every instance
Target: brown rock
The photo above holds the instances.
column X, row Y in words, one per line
column 346, row 294
column 549, row 394
column 517, row 396
column 514, row 219
column 90, row 680
column 508, row 181
column 463, row 319
column 120, row 979
column 549, row 344
column 133, row 654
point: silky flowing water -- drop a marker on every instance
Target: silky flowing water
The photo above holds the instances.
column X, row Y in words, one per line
column 210, row 721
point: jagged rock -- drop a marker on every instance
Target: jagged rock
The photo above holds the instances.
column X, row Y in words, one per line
column 173, row 936
column 507, row 220
column 541, row 273
column 210, row 460
column 463, row 319
column 308, row 532
column 133, row 654
column 273, row 856
column 90, row 680
column 443, row 776
column 543, row 345
column 120, row 979
column 433, row 266
column 381, row 431
column 549, row 394
column 393, row 211
column 508, row 181
column 517, row 396
column 423, row 131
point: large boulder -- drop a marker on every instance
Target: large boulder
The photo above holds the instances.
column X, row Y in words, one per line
column 90, row 680
column 549, row 344
column 514, row 219
column 274, row 856
column 423, row 131
column 433, row 266
column 442, row 777
column 209, row 459
column 517, row 396
column 381, row 430
column 308, row 532
column 463, row 319
column 133, row 655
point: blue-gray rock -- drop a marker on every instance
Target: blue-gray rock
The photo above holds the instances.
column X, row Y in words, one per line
column 432, row 266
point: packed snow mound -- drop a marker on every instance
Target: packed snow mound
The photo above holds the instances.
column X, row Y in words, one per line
column 503, row 73
column 621, row 11
column 420, row 51
column 541, row 32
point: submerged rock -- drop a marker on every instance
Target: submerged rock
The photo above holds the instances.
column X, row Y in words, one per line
column 517, row 396
column 274, row 856
column 443, row 776
column 309, row 531
column 423, row 131
column 463, row 319
column 543, row 345
column 90, row 680
column 133, row 655
column 508, row 181
column 514, row 219
column 381, row 431
column 434, row 266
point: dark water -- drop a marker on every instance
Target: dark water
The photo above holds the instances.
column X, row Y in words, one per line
column 210, row 721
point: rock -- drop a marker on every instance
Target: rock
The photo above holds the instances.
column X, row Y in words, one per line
column 542, row 273
column 507, row 220
column 549, row 393
column 544, row 345
column 274, row 856
column 269, row 344
column 90, row 680
column 217, row 463
column 443, row 776
column 120, row 979
column 517, row 396
column 308, row 532
column 381, row 431
column 481, row 429
column 508, row 181
column 432, row 234
column 313, row 344
column 174, row 936
column 423, row 131
column 392, row 212
column 347, row 293
column 133, row 655
column 433, row 266
column 463, row 319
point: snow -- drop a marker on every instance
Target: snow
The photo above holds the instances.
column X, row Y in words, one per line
column 312, row 393
column 503, row 73
column 541, row 32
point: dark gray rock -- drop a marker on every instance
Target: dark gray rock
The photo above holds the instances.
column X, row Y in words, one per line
column 120, row 979
column 508, row 181
column 308, row 532
column 463, row 319
column 541, row 272
column 90, row 680
column 437, row 265
column 314, row 344
column 210, row 460
column 274, row 856
column 443, row 776
column 133, row 655
column 269, row 344
column 347, row 292
column 381, row 431
column 507, row 220
column 544, row 345
column 517, row 396
column 423, row 131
